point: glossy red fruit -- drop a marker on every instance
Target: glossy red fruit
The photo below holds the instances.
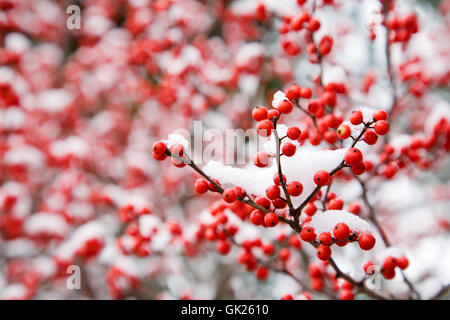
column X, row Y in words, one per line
column 366, row 241
column 325, row 238
column 402, row 263
column 307, row 234
column 262, row 273
column 287, row 297
column 295, row 188
column 293, row 133
column 285, row 106
column 335, row 204
column 288, row 149
column 389, row 263
column 356, row 117
column 353, row 156
column 323, row 252
column 284, row 254
column 263, row 202
column 306, row 93
column 370, row 137
column 229, row 195
column 259, row 113
column 389, row 273
column 270, row 219
column 276, row 179
column 257, row 217
column 201, row 186
column 322, row 178
column 359, row 168
column 346, row 295
column 264, row 128
column 380, row 115
column 381, row 127
column 341, row 231
column 344, row 131
column 159, row 147
column 223, row 247
column 310, row 209
column 293, row 92
column 272, row 113
column 273, row 192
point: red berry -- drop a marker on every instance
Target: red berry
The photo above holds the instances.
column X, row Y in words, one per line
column 322, row 178
column 259, row 113
column 293, row 133
column 273, row 113
column 314, row 271
column 325, row 238
column 287, row 297
column 268, row 249
column 370, row 137
column 369, row 268
column 389, row 263
column 273, row 192
column 353, row 156
column 381, row 127
column 223, row 247
column 341, row 231
column 389, row 273
column 257, row 217
column 346, row 295
column 354, row 207
column 264, row 128
column 270, row 219
column 359, row 168
column 330, row 137
column 201, row 186
column 262, row 273
column 229, row 195
column 276, row 179
column 380, row 115
column 323, row 252
column 295, row 242
column 310, row 209
column 356, row 117
column 366, row 241
column 402, row 263
column 159, row 147
column 288, row 149
column 284, row 254
column 159, row 157
column 285, row 106
column 261, row 159
column 279, row 203
column 314, row 24
column 306, row 93
column 293, row 92
column 295, row 188
column 307, row 234
column 263, row 202
column 313, row 106
column 344, row 131
column 335, row 204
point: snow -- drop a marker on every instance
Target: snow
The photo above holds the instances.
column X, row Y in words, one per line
column 325, row 221
column 278, row 97
column 14, row 291
column 73, row 145
column 175, row 138
column 300, row 167
column 46, row 222
column 25, row 154
column 54, row 100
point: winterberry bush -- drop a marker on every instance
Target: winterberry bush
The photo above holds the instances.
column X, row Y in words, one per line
column 115, row 157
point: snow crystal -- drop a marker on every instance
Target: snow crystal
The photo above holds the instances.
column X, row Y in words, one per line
column 325, row 221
